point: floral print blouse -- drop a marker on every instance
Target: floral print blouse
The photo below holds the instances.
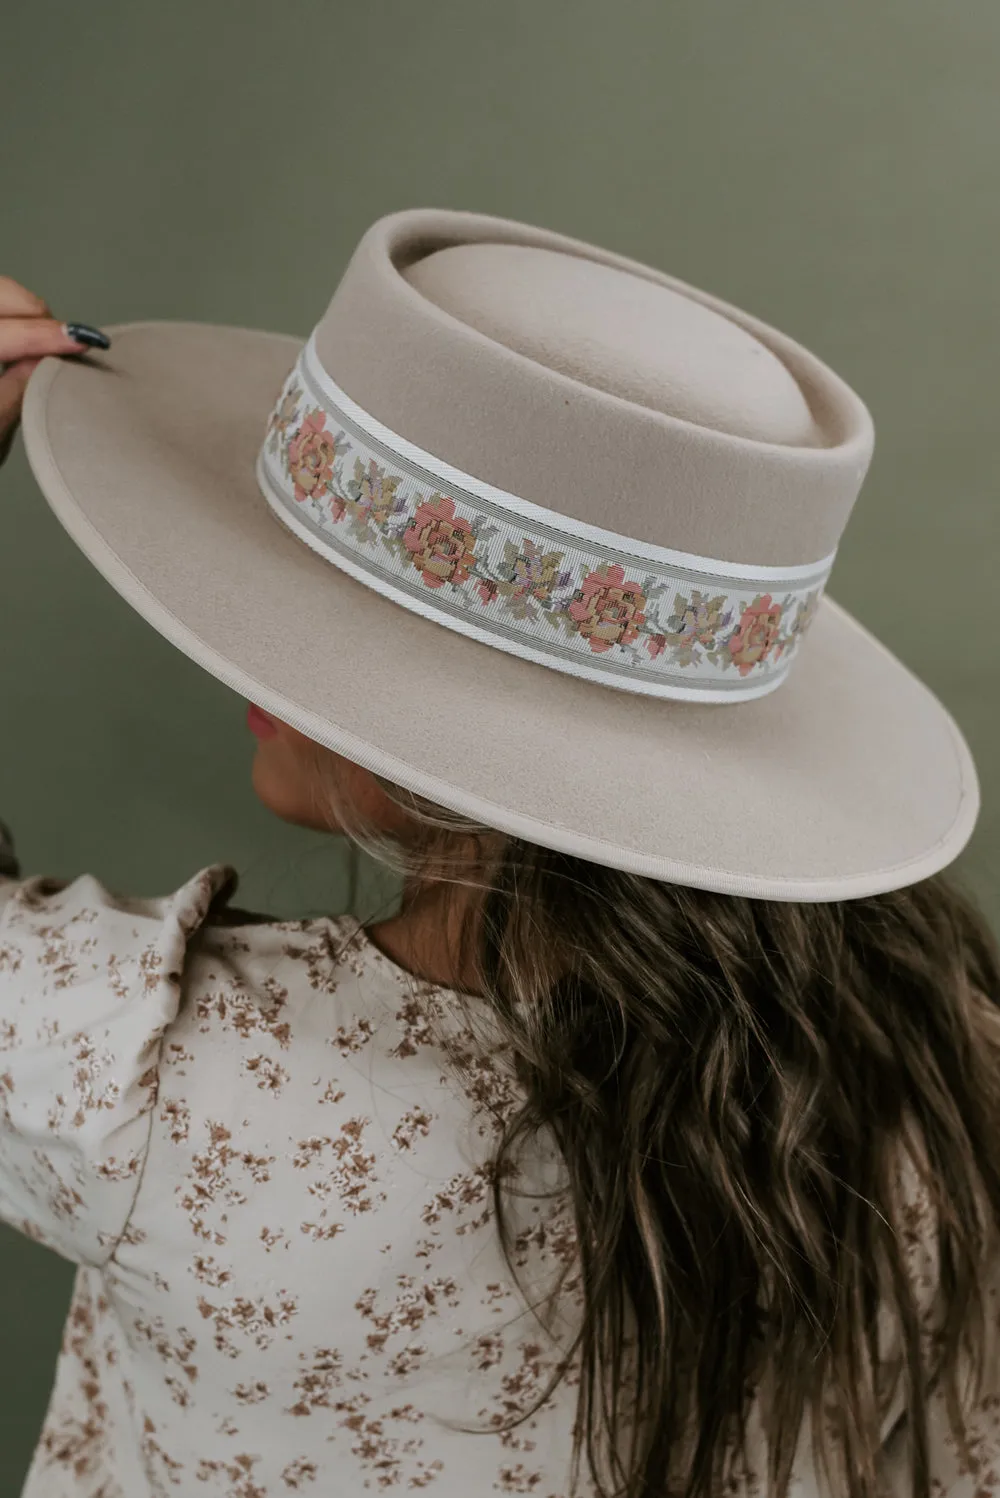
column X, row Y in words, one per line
column 267, row 1149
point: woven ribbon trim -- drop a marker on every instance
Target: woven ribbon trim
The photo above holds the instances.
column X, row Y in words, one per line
column 516, row 576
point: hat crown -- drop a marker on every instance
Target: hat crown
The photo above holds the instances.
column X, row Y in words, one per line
column 623, row 334
column 684, row 478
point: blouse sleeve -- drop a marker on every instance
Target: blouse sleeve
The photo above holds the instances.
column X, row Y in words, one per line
column 89, row 983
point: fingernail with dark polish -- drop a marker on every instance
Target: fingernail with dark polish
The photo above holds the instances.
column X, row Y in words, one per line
column 82, row 332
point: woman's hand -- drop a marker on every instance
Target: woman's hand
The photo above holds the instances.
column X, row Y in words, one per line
column 28, row 332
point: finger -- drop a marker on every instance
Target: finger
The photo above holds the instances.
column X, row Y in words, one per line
column 13, row 382
column 34, row 337
column 17, row 301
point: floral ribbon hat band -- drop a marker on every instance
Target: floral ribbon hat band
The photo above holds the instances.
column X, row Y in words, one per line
column 516, row 575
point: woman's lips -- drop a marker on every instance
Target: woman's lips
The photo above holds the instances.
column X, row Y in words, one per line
column 259, row 723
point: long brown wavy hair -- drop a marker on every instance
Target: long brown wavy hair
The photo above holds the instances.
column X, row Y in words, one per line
column 728, row 1081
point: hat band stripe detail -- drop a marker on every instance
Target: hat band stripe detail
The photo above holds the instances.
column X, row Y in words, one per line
column 516, row 576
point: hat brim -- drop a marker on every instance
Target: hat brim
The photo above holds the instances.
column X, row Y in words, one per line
column 849, row 780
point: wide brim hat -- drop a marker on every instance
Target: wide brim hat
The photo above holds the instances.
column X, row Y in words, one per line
column 538, row 532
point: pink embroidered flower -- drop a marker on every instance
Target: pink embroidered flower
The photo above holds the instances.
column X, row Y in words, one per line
column 654, row 644
column 757, row 634
column 311, row 453
column 440, row 543
column 609, row 610
column 487, row 590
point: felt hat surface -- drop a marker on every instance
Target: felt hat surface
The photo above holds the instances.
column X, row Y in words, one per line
column 538, row 532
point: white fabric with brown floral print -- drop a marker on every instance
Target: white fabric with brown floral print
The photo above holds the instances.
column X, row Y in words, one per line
column 267, row 1148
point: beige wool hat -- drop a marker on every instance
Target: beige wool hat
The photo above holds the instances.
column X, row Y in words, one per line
column 538, row 532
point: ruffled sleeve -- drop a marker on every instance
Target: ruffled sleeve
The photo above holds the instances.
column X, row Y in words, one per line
column 89, row 983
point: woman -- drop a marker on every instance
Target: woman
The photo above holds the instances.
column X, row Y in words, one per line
column 650, row 1147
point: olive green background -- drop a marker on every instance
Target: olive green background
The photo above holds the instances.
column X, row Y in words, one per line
column 833, row 168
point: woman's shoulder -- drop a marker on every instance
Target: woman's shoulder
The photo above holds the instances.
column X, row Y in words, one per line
column 70, row 935
column 86, row 914
column 59, row 933
column 60, row 924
